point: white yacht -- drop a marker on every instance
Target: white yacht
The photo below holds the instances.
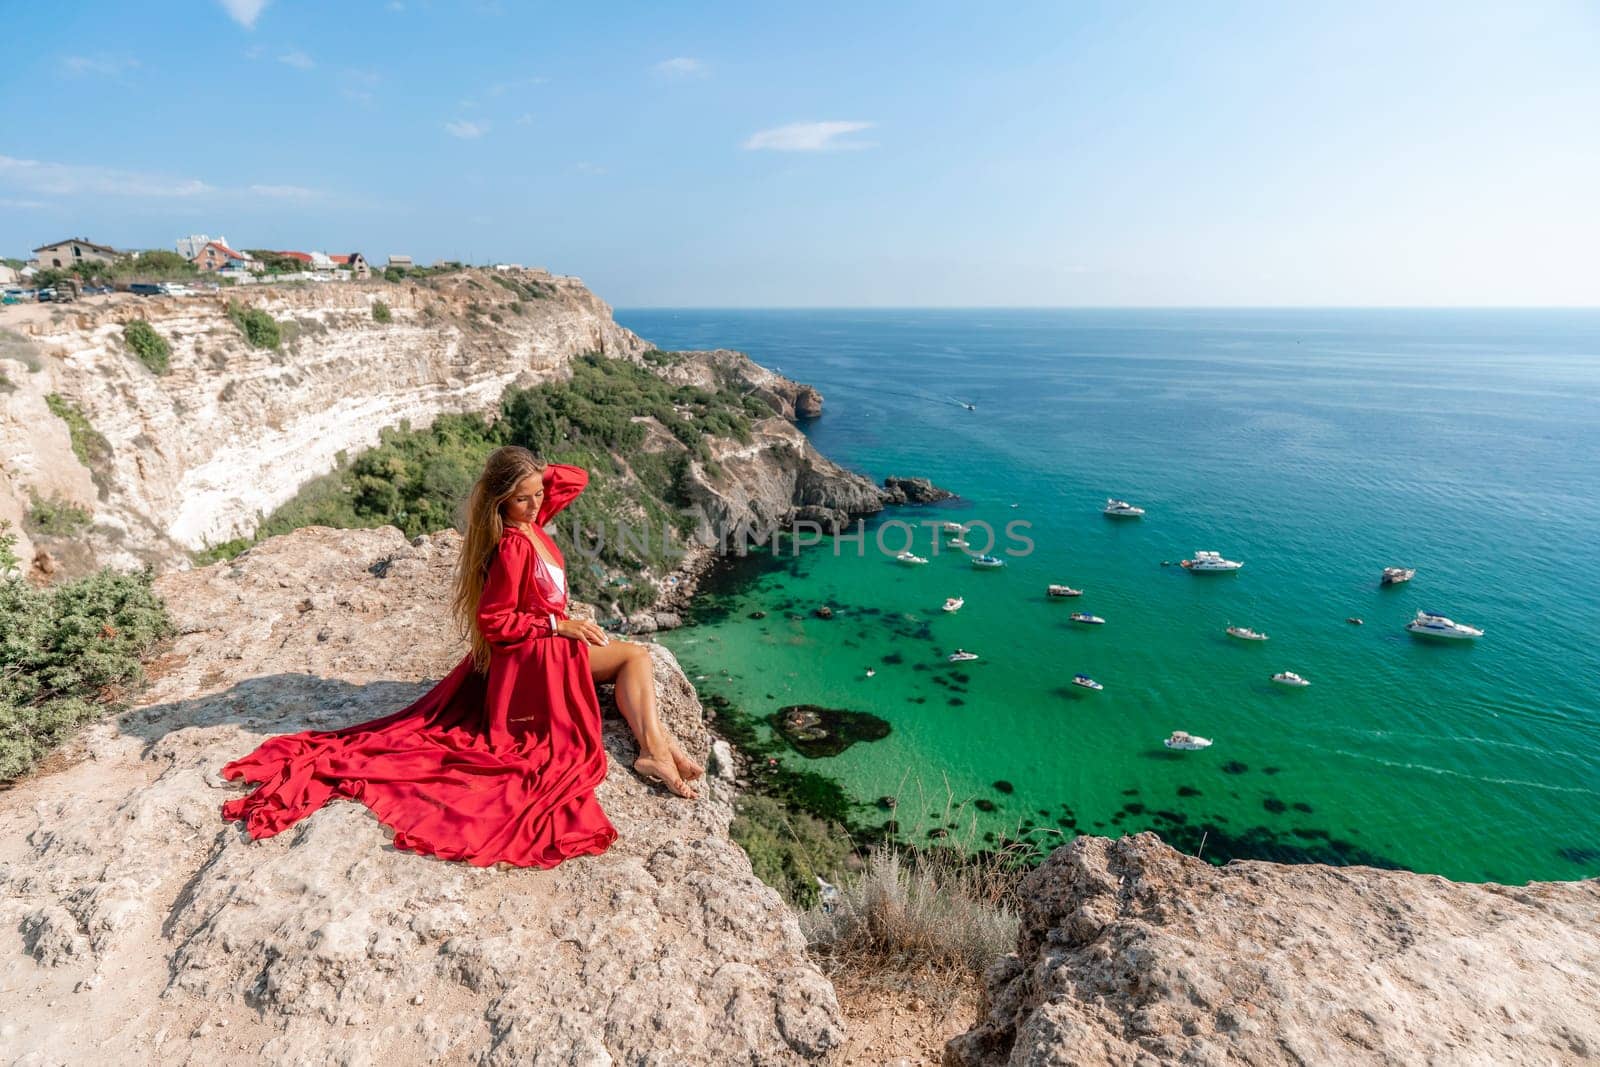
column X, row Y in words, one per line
column 1087, row 619
column 954, row 603
column 1396, row 575
column 961, row 655
column 1244, row 633
column 988, row 561
column 957, row 542
column 1290, row 678
column 953, row 528
column 1086, row 682
column 1182, row 739
column 1430, row 624
column 1209, row 563
column 910, row 557
column 1121, row 509
column 1062, row 591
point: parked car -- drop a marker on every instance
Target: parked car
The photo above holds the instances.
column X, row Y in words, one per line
column 176, row 289
column 146, row 289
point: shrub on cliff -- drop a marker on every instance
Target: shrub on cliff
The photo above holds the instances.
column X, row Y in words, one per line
column 70, row 653
column 88, row 444
column 151, row 348
column 381, row 312
column 788, row 849
column 259, row 328
column 56, row 517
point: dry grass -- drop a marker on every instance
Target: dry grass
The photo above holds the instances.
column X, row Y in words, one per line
column 927, row 916
column 917, row 911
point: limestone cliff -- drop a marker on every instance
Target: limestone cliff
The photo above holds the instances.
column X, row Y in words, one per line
column 1132, row 953
column 135, row 927
column 195, row 456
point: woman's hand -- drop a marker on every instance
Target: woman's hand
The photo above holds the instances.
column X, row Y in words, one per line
column 583, row 630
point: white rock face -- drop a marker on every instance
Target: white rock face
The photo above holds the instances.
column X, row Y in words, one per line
column 231, row 431
column 136, row 927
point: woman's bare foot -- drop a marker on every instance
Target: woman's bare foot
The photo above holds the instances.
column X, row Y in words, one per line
column 686, row 766
column 663, row 771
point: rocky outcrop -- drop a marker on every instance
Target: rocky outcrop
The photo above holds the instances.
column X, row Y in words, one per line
column 913, row 491
column 231, row 432
column 1133, row 953
column 136, row 927
column 724, row 368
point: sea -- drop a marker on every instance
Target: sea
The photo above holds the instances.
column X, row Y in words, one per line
column 1318, row 447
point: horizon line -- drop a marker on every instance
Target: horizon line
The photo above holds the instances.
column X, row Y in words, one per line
column 1106, row 307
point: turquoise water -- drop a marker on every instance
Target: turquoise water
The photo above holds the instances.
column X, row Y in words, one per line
column 1318, row 447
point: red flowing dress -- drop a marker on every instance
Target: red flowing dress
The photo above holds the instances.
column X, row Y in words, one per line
column 482, row 768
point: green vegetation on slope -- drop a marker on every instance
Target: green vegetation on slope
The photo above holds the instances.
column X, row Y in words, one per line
column 259, row 328
column 88, row 444
column 151, row 348
column 69, row 652
column 417, row 479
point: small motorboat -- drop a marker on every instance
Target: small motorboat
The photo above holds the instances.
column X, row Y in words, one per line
column 1062, row 591
column 956, row 542
column 1087, row 619
column 910, row 557
column 1354, row 621
column 953, row 528
column 988, row 561
column 1121, row 509
column 1187, row 742
column 1432, row 624
column 1209, row 563
column 954, row 603
column 1396, row 575
column 1244, row 633
column 1086, row 681
column 871, row 671
column 1291, row 679
column 961, row 655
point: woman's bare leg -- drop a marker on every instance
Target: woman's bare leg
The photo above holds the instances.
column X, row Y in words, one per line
column 628, row 665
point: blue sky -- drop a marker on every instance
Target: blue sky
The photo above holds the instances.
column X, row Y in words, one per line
column 754, row 154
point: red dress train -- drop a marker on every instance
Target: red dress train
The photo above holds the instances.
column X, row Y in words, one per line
column 482, row 768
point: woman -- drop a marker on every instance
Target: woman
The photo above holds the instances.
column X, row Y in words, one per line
column 500, row 760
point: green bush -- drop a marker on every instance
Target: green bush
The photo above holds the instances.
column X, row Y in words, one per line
column 69, row 653
column 381, row 312
column 151, row 348
column 56, row 517
column 788, row 848
column 88, row 445
column 259, row 328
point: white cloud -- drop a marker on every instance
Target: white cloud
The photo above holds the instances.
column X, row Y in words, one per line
column 24, row 205
column 502, row 88
column 808, row 137
column 244, row 12
column 65, row 179
column 681, row 67
column 297, row 59
column 101, row 65
column 77, row 180
column 525, row 119
column 466, row 130
column 284, row 192
column 589, row 168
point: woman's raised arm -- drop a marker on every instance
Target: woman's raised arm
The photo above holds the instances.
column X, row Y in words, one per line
column 562, row 484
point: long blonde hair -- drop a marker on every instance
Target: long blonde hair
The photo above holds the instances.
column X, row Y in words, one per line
column 503, row 471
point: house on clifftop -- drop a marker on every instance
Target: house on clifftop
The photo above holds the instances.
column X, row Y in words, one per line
column 217, row 256
column 64, row 255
